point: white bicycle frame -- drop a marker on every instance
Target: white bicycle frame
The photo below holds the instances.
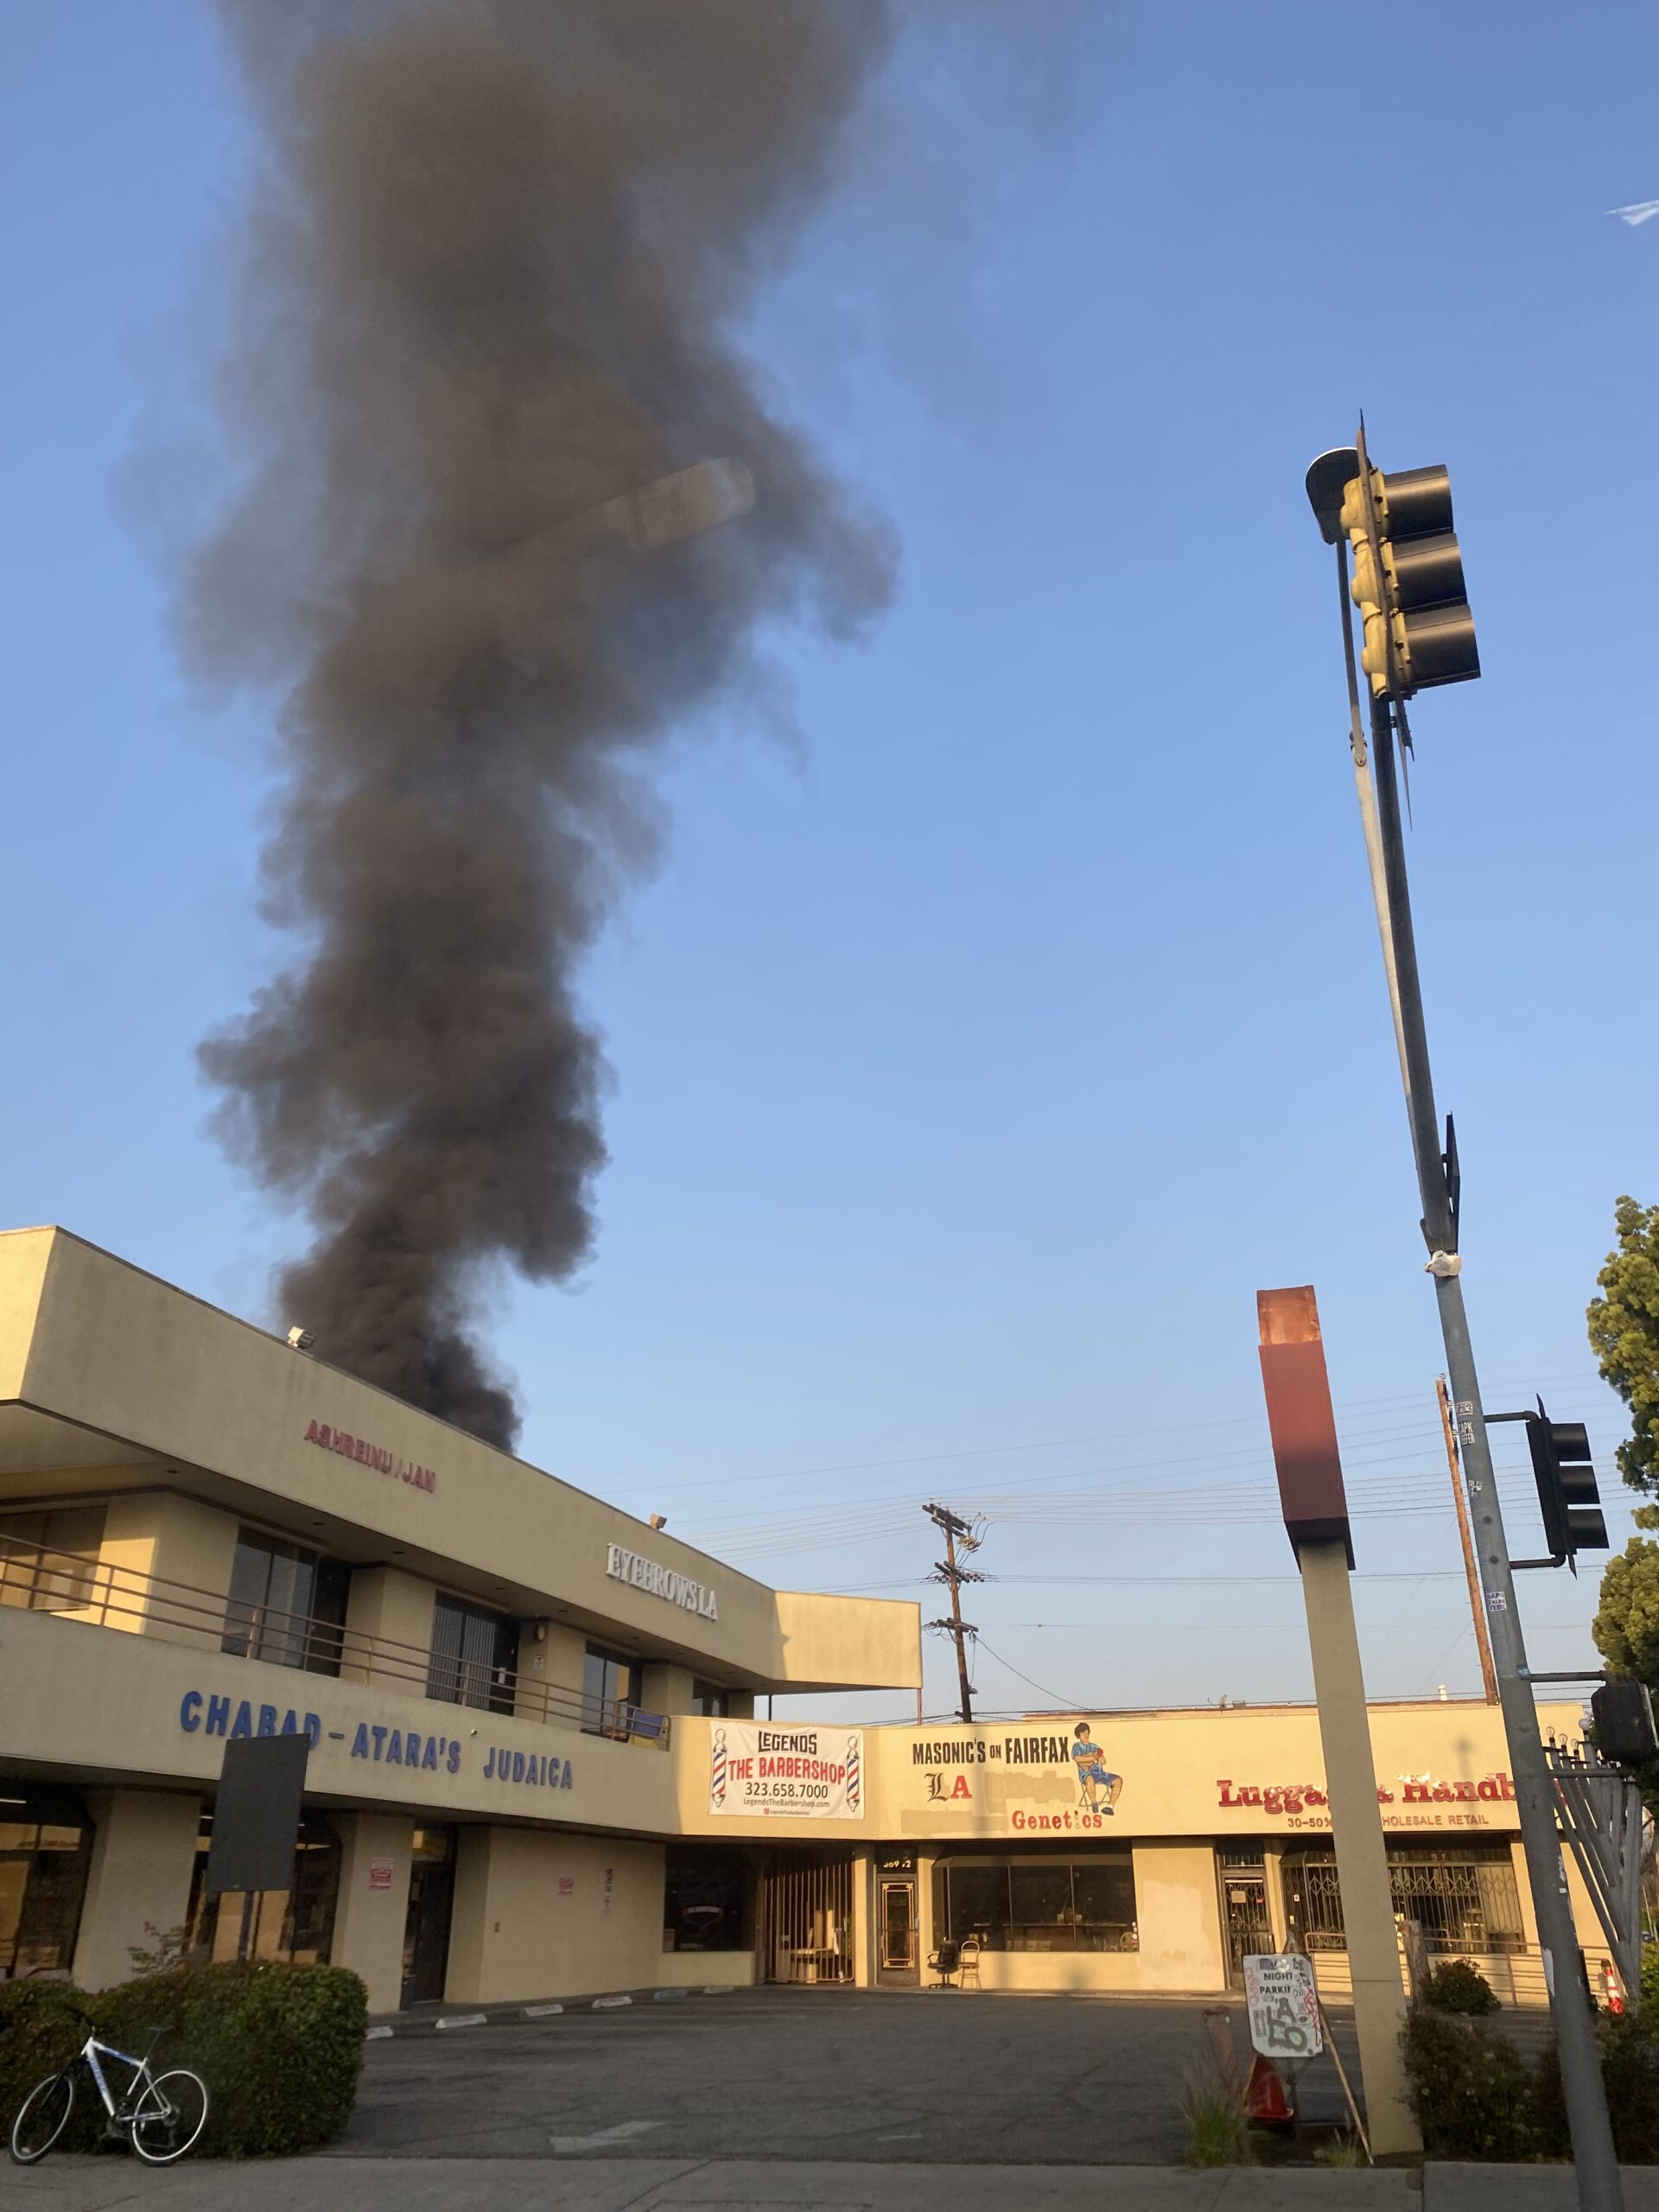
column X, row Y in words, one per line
column 143, row 2080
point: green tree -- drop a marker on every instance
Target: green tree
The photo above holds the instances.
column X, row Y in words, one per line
column 1623, row 1324
column 1625, row 1337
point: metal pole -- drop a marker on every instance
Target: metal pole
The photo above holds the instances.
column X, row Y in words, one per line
column 1584, row 2094
column 1483, row 1636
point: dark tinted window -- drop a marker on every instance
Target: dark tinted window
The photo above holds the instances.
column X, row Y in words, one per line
column 610, row 1684
column 474, row 1655
column 1038, row 1904
column 287, row 1604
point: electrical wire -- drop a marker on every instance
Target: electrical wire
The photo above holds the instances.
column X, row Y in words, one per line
column 1067, row 1703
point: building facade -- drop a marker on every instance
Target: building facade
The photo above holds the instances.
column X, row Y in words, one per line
column 540, row 1762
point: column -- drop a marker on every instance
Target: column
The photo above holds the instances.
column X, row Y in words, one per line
column 374, row 1903
column 143, row 1853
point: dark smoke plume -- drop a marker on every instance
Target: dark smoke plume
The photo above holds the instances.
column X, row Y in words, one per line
column 492, row 286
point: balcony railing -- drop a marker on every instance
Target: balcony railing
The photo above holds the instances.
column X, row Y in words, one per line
column 106, row 1595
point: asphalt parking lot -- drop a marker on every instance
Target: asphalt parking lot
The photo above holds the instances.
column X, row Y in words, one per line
column 795, row 2073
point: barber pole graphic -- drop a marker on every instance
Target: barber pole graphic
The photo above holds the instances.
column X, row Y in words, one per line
column 717, row 1777
column 854, row 1775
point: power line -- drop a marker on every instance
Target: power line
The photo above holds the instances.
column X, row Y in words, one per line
column 1026, row 1678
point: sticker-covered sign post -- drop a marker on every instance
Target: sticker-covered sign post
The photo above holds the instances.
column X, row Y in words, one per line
column 1283, row 2005
column 806, row 1773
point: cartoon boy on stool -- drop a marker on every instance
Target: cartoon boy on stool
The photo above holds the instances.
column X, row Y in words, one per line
column 1092, row 1777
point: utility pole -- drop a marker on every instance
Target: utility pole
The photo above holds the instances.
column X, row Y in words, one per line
column 953, row 1574
column 1419, row 632
column 1460, row 1505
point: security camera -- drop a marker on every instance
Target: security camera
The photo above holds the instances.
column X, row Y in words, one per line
column 300, row 1339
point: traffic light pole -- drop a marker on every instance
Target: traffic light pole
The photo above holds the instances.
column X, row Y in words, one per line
column 1593, row 2155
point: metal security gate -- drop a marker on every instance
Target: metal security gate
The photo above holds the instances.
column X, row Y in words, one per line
column 806, row 1920
column 1246, row 1916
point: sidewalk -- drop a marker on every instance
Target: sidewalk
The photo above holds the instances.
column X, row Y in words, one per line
column 591, row 2185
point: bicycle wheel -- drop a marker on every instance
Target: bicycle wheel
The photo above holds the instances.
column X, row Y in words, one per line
column 42, row 2119
column 170, row 2114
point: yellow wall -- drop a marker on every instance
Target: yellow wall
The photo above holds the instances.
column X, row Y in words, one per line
column 516, row 1933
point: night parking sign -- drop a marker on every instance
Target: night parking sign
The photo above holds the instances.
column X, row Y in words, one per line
column 1284, row 2005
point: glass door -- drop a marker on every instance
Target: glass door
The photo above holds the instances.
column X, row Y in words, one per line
column 897, row 1957
column 426, row 1928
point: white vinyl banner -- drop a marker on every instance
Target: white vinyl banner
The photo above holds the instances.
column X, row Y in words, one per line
column 802, row 1773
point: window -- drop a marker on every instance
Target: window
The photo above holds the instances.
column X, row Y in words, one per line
column 48, row 1561
column 712, row 1699
column 610, row 1683
column 1464, row 1898
column 706, row 1901
column 287, row 1604
column 296, row 1924
column 475, row 1657
column 1037, row 1903
column 46, row 1841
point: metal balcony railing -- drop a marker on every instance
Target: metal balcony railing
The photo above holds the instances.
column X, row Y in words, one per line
column 103, row 1594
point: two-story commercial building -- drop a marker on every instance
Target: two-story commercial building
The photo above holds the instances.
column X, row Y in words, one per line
column 537, row 1763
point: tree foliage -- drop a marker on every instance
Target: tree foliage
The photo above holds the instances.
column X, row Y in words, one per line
column 1624, row 1325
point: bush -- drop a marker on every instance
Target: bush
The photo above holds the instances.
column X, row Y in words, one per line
column 1650, row 1975
column 1459, row 1986
column 1473, row 2093
column 1630, row 2066
column 279, row 2047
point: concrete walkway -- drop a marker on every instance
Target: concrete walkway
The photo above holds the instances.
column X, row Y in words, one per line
column 640, row 2184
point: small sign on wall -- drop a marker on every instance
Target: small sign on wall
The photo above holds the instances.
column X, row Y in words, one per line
column 567, row 1885
column 380, row 1872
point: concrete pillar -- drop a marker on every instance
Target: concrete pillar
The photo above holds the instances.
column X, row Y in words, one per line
column 1357, row 1834
column 394, row 1610
column 143, row 1851
column 665, row 1688
column 861, row 1935
column 373, row 1901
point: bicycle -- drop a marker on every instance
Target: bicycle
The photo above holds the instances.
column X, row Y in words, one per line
column 161, row 2115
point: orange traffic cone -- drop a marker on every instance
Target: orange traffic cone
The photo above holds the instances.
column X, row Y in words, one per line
column 1264, row 2095
column 1611, row 1995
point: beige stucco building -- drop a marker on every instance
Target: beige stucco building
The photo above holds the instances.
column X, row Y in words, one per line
column 538, row 1766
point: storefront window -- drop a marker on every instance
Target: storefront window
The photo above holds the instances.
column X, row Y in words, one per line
column 1037, row 1903
column 712, row 1699
column 610, row 1683
column 48, row 1561
column 46, row 1842
column 706, row 1901
column 474, row 1654
column 1463, row 1897
column 296, row 1925
column 287, row 1604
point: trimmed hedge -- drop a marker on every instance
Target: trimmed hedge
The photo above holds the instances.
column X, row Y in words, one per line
column 1476, row 2097
column 279, row 2047
column 1459, row 1986
column 1473, row 2094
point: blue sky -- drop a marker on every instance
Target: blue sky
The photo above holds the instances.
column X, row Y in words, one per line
column 980, row 1051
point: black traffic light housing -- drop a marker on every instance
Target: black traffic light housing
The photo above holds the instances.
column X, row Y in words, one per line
column 1623, row 1717
column 1567, row 1496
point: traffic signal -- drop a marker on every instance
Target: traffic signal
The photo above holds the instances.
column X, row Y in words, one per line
column 1567, row 1496
column 1409, row 582
column 1621, row 1712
